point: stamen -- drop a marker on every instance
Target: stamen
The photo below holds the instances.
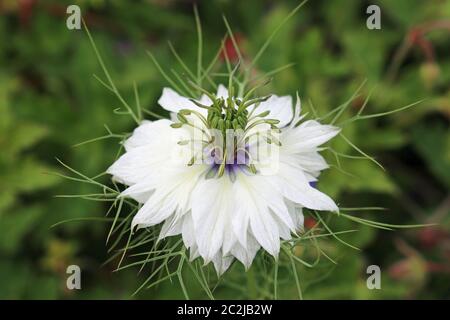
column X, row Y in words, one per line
column 226, row 114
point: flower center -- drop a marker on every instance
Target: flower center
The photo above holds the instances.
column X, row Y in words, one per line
column 224, row 116
column 225, row 131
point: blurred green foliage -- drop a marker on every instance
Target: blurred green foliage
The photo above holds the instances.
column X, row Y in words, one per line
column 50, row 101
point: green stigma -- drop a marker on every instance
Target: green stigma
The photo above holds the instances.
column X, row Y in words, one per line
column 238, row 115
column 228, row 114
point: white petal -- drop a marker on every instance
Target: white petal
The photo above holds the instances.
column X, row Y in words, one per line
column 246, row 254
column 229, row 237
column 310, row 162
column 140, row 192
column 297, row 112
column 274, row 200
column 265, row 230
column 240, row 222
column 205, row 100
column 148, row 132
column 262, row 225
column 222, row 92
column 296, row 214
column 280, row 108
column 173, row 188
column 172, row 101
column 307, row 136
column 171, row 227
column 221, row 263
column 211, row 209
column 188, row 231
column 292, row 183
column 140, row 197
column 194, row 254
column 148, row 148
column 132, row 166
column 154, row 211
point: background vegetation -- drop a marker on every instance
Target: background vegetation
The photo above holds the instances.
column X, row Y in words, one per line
column 49, row 101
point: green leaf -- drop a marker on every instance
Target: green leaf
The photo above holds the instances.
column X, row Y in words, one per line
column 29, row 175
column 14, row 225
column 383, row 139
column 432, row 143
column 22, row 136
column 6, row 199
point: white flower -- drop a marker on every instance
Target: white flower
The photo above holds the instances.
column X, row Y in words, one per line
column 234, row 213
